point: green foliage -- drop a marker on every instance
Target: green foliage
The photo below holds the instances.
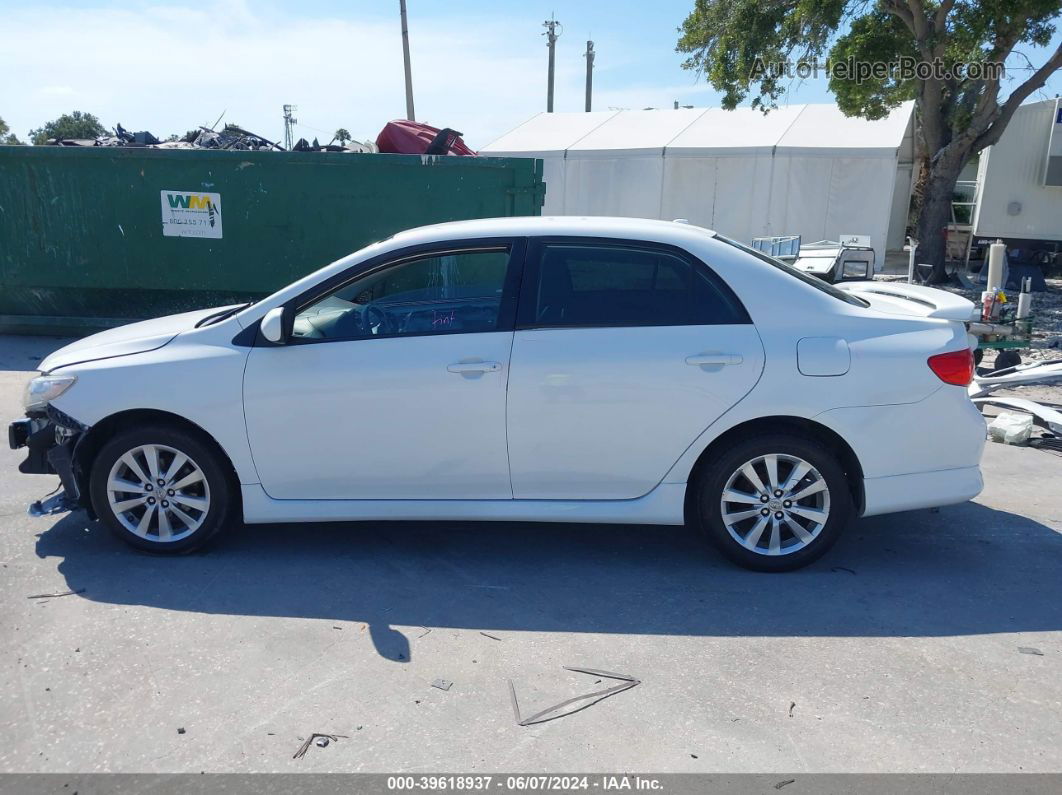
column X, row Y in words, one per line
column 7, row 137
column 890, row 51
column 69, row 125
column 341, row 135
column 876, row 37
column 725, row 39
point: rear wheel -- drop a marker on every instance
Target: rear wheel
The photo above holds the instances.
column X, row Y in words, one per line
column 774, row 503
column 161, row 489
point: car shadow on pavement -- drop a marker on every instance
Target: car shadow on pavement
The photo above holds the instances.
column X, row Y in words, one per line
column 957, row 571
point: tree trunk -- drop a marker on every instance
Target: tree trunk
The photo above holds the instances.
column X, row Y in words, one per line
column 935, row 214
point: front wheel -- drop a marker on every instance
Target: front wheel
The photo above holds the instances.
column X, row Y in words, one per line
column 161, row 489
column 774, row 503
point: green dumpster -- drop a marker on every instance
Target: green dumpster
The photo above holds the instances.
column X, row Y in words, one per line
column 92, row 238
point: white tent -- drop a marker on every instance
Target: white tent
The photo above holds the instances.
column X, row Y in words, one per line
column 800, row 170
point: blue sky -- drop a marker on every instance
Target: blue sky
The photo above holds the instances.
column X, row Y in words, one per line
column 478, row 66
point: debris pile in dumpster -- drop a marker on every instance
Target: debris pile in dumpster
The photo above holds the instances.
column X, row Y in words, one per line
column 397, row 137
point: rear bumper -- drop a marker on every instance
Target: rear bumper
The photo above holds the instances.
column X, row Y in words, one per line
column 945, row 431
column 921, row 490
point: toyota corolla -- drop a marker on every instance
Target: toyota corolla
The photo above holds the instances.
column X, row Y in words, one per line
column 525, row 369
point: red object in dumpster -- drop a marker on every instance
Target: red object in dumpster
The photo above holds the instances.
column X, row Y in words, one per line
column 403, row 137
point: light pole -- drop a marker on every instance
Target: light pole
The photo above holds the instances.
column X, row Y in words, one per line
column 551, row 35
column 589, row 55
column 405, row 59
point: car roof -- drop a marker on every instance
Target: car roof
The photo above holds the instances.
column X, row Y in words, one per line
column 547, row 225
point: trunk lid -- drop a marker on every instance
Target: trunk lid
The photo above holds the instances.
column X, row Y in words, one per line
column 898, row 298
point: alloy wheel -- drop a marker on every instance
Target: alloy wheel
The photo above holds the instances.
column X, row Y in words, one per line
column 775, row 504
column 158, row 493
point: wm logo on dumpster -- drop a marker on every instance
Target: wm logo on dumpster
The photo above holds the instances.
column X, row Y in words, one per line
column 191, row 214
column 194, row 201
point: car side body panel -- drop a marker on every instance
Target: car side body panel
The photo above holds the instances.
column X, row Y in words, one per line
column 603, row 413
column 905, row 427
column 200, row 380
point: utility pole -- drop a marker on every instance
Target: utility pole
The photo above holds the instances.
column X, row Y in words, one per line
column 551, row 35
column 405, row 58
column 289, row 125
column 589, row 55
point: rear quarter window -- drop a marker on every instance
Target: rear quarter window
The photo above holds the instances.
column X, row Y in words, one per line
column 811, row 281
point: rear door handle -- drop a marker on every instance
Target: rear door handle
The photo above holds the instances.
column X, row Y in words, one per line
column 474, row 367
column 714, row 358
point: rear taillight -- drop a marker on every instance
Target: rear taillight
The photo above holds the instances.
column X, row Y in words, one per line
column 956, row 367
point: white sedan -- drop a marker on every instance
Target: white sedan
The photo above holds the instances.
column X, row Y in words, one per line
column 525, row 369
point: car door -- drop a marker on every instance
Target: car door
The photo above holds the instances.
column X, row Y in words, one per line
column 623, row 354
column 392, row 383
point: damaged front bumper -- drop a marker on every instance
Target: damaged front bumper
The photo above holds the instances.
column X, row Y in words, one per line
column 51, row 438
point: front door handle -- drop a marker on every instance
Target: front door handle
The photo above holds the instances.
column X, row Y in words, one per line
column 474, row 367
column 702, row 359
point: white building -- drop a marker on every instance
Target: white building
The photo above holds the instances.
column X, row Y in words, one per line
column 803, row 170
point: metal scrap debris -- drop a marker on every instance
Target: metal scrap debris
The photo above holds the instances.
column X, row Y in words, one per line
column 1015, row 428
column 442, row 684
column 1039, row 374
column 488, row 635
column 229, row 137
column 56, row 595
column 1030, row 650
column 1044, row 416
column 554, row 712
column 315, row 737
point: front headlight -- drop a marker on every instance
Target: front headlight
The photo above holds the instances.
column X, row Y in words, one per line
column 45, row 388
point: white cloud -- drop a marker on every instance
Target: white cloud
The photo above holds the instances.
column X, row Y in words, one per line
column 170, row 68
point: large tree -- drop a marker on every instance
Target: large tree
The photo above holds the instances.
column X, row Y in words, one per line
column 736, row 43
column 6, row 136
column 69, row 125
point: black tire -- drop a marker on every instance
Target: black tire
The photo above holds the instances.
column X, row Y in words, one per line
column 217, row 486
column 1005, row 360
column 713, row 479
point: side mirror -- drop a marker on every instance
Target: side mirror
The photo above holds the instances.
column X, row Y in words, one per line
column 273, row 326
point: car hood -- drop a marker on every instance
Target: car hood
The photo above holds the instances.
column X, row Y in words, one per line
column 899, row 298
column 147, row 335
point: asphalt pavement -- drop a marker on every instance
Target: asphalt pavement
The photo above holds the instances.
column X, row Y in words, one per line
column 928, row 641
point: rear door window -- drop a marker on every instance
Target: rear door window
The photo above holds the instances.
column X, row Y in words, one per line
column 590, row 284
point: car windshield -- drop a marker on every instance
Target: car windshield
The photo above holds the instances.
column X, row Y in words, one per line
column 811, row 281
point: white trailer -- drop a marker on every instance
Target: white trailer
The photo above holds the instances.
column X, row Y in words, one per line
column 1019, row 181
